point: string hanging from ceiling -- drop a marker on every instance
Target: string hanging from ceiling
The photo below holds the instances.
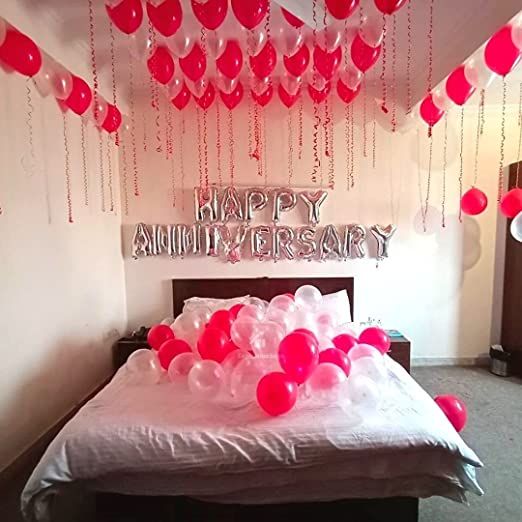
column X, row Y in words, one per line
column 85, row 171
column 67, row 169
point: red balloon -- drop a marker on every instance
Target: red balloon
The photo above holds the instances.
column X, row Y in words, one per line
column 511, row 203
column 161, row 65
column 286, row 98
column 473, row 202
column 231, row 61
column 194, row 64
column 20, row 53
column 234, row 310
column 182, row 98
column 263, row 64
column 210, row 13
column 292, row 19
column 297, row 63
column 208, row 97
column 250, row 12
column 222, row 320
column 298, row 356
column 127, row 15
column 319, row 96
column 169, row 349
column 501, row 53
column 213, row 344
column 81, row 96
column 429, row 112
column 263, row 98
column 166, row 17
column 327, row 63
column 345, row 93
column 457, row 87
column 158, row 334
column 231, row 100
column 337, row 357
column 375, row 337
column 345, row 342
column 341, row 9
column 363, row 56
column 308, row 332
column 112, row 121
column 389, row 6
column 454, row 409
column 276, row 393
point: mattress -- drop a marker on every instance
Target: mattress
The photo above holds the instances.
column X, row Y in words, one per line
column 159, row 440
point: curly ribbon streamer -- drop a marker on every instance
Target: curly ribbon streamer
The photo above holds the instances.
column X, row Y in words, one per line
column 135, row 174
column 326, row 127
column 502, row 142
column 218, row 145
column 113, row 76
column 347, row 143
column 102, row 171
column 109, row 181
column 364, row 118
column 408, row 59
column 315, row 140
column 428, row 186
column 394, row 82
column 200, row 148
column 384, row 86
column 67, row 169
column 519, row 134
column 461, row 159
column 29, row 125
column 85, row 175
column 300, row 128
column 290, row 139
column 125, row 178
column 181, row 162
column 477, row 147
column 444, row 167
column 231, row 146
column 205, row 148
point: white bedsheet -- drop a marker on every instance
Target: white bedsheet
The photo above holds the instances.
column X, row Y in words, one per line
column 158, row 440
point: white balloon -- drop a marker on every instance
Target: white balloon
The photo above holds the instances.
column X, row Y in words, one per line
column 282, row 303
column 181, row 365
column 351, row 76
column 255, row 41
column 266, row 338
column 516, row 227
column 225, row 84
column 363, row 350
column 291, row 84
column 516, row 32
column 477, row 72
column 198, row 87
column 441, row 99
column 215, row 44
column 242, row 331
column 287, row 40
column 259, row 86
column 144, row 367
column 53, row 78
column 324, row 384
column 329, row 38
column 174, row 87
column 206, row 379
column 180, row 43
column 98, row 111
column 251, row 311
column 372, row 367
column 362, row 392
column 371, row 30
column 308, row 297
column 168, row 321
column 140, row 43
column 244, row 379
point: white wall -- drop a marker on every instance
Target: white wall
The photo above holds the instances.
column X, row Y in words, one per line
column 436, row 287
column 62, row 301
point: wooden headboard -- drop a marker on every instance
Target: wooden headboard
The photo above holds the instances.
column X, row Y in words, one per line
column 262, row 287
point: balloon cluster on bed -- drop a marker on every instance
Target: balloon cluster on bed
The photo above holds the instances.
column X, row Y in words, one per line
column 272, row 352
column 214, row 63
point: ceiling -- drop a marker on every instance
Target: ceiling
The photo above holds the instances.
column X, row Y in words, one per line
column 61, row 27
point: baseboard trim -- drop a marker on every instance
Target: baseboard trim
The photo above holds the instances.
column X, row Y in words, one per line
column 27, row 460
column 481, row 360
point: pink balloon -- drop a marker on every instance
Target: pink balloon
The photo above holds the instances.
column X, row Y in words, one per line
column 429, row 112
column 337, row 357
column 363, row 56
column 363, row 350
column 457, row 86
column 376, row 337
column 211, row 13
column 231, row 61
column 345, row 93
column 181, row 365
column 263, row 64
column 250, row 12
column 325, row 382
column 501, row 53
column 473, row 202
column 158, row 334
column 194, row 64
column 345, row 342
column 298, row 62
column 213, row 344
column 327, row 63
column 298, row 356
column 341, row 9
column 169, row 349
column 454, row 409
column 276, row 393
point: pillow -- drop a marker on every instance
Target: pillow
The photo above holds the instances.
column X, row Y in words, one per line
column 338, row 305
column 213, row 304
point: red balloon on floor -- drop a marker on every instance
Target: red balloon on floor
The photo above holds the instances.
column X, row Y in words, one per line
column 158, row 334
column 454, row 409
column 473, row 202
column 276, row 393
column 234, row 310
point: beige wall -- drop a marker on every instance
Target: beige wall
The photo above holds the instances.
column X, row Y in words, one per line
column 438, row 287
column 62, row 300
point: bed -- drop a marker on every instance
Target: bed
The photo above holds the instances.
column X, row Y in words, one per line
column 153, row 449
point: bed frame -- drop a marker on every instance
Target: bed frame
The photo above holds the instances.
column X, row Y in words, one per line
column 117, row 507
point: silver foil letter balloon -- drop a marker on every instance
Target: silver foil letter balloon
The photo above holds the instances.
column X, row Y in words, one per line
column 256, row 199
column 205, row 203
column 212, row 240
column 330, row 244
column 188, row 239
column 306, row 241
column 140, row 241
column 313, row 201
column 284, row 201
column 231, row 206
column 354, row 236
column 282, row 242
column 383, row 236
column 260, row 242
column 232, row 243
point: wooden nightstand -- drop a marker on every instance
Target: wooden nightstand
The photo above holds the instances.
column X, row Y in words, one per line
column 400, row 349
